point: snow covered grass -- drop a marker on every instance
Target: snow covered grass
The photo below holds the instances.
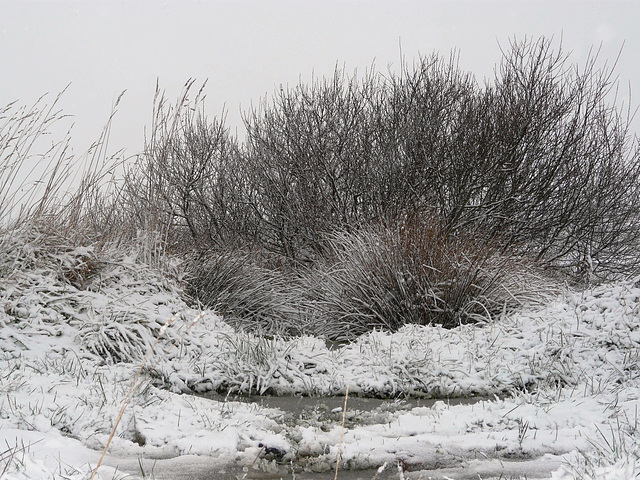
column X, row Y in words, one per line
column 250, row 295
column 372, row 278
column 561, row 381
column 102, row 345
column 416, row 273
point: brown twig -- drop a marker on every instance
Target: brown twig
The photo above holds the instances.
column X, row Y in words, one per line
column 344, row 415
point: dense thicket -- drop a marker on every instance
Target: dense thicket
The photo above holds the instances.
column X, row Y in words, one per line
column 363, row 202
column 538, row 162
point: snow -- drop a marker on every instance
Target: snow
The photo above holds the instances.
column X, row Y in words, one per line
column 560, row 385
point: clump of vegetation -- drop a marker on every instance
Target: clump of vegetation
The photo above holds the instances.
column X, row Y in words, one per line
column 412, row 197
column 384, row 278
column 248, row 293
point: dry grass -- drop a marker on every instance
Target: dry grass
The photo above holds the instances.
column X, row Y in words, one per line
column 44, row 186
column 374, row 278
column 23, row 130
column 384, row 278
column 249, row 295
column 344, row 416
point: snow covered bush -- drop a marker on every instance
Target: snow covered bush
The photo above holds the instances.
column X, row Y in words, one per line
column 373, row 278
column 248, row 293
column 312, row 161
column 539, row 158
column 384, row 278
column 188, row 183
column 561, row 183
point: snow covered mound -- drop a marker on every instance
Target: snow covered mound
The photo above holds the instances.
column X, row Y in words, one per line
column 76, row 327
column 588, row 339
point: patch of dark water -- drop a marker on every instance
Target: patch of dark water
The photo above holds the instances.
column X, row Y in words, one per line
column 297, row 405
column 238, row 473
column 368, row 474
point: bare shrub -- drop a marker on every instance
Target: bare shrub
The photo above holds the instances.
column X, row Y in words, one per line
column 563, row 186
column 414, row 273
column 432, row 117
column 540, row 157
column 312, row 164
column 187, row 185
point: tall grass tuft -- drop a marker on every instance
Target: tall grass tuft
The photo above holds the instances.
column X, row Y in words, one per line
column 25, row 152
column 43, row 185
column 249, row 295
column 386, row 277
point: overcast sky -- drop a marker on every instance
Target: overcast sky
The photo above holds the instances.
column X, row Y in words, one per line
column 247, row 48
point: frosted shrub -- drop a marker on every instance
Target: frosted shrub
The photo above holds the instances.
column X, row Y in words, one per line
column 415, row 273
column 540, row 156
column 245, row 292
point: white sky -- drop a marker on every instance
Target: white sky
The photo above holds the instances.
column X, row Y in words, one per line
column 247, row 48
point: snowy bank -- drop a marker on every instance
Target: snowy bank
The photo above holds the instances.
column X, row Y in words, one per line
column 76, row 325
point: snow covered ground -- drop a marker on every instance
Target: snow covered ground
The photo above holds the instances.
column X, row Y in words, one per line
column 563, row 379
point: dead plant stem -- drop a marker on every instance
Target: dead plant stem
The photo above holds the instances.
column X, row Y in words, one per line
column 344, row 416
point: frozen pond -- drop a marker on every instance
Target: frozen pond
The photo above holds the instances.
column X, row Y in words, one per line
column 359, row 410
column 298, row 405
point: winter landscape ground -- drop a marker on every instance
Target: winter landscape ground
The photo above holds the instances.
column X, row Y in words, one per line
column 560, row 382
